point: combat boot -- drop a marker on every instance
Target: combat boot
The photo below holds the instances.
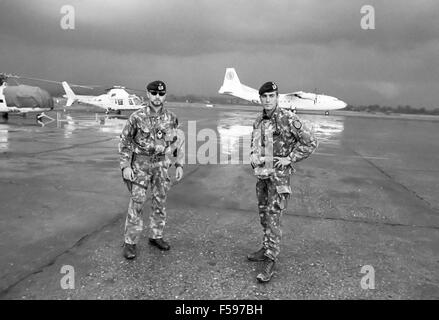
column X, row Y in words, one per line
column 129, row 251
column 267, row 270
column 257, row 256
column 160, row 243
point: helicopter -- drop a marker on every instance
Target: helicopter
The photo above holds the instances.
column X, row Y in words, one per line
column 22, row 99
column 116, row 99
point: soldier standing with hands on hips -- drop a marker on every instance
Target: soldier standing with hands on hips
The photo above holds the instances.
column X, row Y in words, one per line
column 279, row 139
column 147, row 143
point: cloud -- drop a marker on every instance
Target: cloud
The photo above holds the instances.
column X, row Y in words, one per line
column 193, row 27
column 387, row 89
column 303, row 45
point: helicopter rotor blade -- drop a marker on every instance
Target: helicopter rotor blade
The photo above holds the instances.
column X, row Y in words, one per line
column 45, row 80
column 143, row 91
column 91, row 87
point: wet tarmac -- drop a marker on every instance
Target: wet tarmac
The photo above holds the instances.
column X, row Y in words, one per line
column 366, row 197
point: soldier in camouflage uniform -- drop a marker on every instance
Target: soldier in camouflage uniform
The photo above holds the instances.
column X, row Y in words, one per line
column 279, row 139
column 148, row 142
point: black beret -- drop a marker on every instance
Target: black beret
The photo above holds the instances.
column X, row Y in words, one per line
column 156, row 86
column 269, row 86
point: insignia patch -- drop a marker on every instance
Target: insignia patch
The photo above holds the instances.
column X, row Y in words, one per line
column 283, row 189
column 274, row 86
column 160, row 87
column 297, row 124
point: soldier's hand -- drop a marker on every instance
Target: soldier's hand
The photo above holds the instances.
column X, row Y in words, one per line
column 128, row 174
column 281, row 162
column 178, row 173
column 255, row 162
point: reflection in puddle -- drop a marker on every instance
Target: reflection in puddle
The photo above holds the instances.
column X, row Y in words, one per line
column 112, row 124
column 235, row 131
column 328, row 129
column 4, row 137
column 233, row 138
column 107, row 124
column 70, row 124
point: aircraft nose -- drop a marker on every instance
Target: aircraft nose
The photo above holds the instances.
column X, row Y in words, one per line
column 341, row 104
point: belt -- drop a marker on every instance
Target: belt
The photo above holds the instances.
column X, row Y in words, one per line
column 150, row 158
column 278, row 156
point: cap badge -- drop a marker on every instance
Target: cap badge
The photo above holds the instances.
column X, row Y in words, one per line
column 297, row 124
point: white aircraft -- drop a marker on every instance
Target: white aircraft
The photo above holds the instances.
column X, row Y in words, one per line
column 298, row 100
column 116, row 99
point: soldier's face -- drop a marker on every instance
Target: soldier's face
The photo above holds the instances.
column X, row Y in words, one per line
column 269, row 100
column 156, row 98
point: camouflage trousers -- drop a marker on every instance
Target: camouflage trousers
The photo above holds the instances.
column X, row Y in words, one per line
column 272, row 193
column 158, row 179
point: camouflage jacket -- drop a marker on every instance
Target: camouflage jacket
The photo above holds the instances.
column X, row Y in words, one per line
column 282, row 134
column 151, row 134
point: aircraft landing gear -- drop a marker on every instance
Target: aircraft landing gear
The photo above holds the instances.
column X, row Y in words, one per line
column 119, row 112
column 5, row 116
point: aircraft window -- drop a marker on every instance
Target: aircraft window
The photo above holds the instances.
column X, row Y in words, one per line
column 113, row 95
column 130, row 102
column 1, row 101
column 120, row 102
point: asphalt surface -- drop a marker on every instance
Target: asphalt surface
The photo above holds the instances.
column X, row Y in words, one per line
column 367, row 197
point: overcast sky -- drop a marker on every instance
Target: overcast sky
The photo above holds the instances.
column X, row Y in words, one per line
column 302, row 45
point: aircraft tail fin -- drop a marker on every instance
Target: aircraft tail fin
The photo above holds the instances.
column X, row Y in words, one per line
column 71, row 97
column 232, row 86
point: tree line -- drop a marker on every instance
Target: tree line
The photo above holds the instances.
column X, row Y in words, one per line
column 407, row 109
